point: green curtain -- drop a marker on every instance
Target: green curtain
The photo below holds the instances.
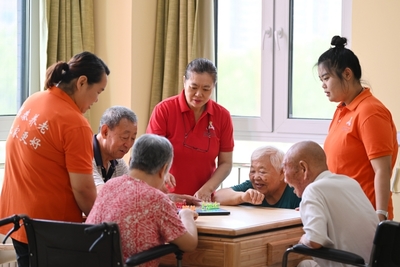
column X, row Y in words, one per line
column 70, row 29
column 175, row 46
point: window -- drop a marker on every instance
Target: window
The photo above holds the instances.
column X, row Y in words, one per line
column 13, row 53
column 19, row 53
column 266, row 55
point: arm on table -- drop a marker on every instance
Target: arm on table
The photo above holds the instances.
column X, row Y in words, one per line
column 228, row 196
column 169, row 186
column 187, row 241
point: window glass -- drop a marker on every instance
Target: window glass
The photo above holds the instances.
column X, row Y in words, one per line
column 14, row 65
column 266, row 52
column 314, row 23
column 9, row 57
column 239, row 56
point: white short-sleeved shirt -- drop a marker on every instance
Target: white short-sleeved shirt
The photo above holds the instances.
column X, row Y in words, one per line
column 337, row 214
column 121, row 168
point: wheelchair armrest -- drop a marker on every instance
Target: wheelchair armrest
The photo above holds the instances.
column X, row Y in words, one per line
column 331, row 254
column 152, row 254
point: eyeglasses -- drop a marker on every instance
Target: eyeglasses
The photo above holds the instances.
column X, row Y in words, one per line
column 191, row 138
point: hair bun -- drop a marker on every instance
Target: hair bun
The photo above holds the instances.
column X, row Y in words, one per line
column 65, row 66
column 338, row 42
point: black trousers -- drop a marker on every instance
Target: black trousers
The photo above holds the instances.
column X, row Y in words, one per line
column 22, row 251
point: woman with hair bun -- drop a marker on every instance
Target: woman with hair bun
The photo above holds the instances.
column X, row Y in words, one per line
column 48, row 166
column 362, row 138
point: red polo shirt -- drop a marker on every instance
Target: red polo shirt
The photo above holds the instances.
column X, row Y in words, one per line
column 194, row 156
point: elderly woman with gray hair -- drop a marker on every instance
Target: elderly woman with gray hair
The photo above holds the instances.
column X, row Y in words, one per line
column 146, row 216
column 266, row 186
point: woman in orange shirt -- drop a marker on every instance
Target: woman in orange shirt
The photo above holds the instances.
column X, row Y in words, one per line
column 49, row 151
column 362, row 138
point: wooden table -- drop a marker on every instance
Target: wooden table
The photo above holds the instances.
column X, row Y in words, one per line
column 249, row 236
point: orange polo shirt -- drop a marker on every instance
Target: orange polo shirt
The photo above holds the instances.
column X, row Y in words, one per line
column 49, row 138
column 362, row 131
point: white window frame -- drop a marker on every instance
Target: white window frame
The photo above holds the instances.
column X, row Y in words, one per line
column 274, row 123
column 253, row 127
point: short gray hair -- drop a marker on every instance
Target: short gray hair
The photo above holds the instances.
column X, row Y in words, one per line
column 150, row 153
column 113, row 115
column 275, row 156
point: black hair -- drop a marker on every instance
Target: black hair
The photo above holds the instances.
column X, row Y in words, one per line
column 337, row 58
column 201, row 65
column 82, row 64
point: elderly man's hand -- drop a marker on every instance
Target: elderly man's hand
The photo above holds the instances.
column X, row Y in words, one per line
column 253, row 196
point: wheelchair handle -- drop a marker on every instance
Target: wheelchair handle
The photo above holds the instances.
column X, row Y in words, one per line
column 10, row 219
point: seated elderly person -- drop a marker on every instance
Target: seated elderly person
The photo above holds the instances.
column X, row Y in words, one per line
column 117, row 133
column 334, row 210
column 266, row 186
column 145, row 215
